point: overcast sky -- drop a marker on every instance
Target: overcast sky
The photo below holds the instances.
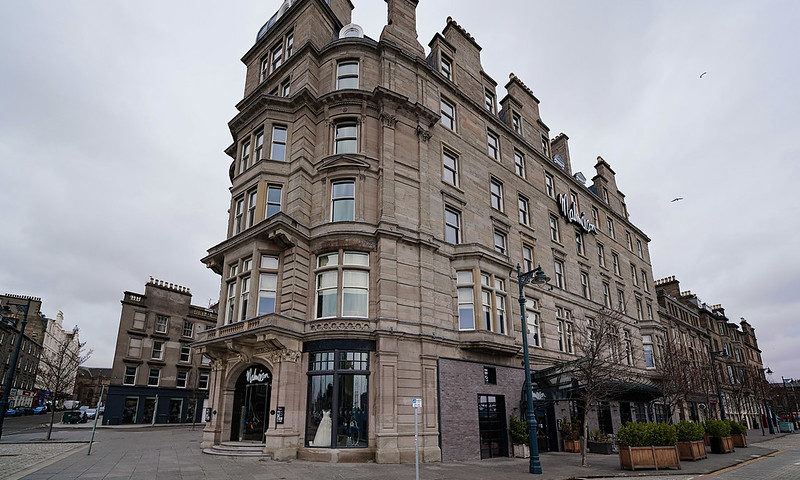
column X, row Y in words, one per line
column 113, row 119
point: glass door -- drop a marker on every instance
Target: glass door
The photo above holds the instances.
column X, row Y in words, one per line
column 492, row 426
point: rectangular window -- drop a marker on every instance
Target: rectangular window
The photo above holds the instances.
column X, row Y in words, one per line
column 269, row 262
column 532, row 317
column 286, row 88
column 559, row 271
column 247, row 263
column 500, row 306
column 549, row 185
column 516, row 123
column 180, row 380
column 585, row 290
column 202, row 381
column 634, row 277
column 230, row 312
column 561, row 339
column 138, row 321
column 452, row 226
column 615, row 263
column 277, row 58
column 251, row 208
column 610, row 226
column 289, row 44
column 621, row 301
column 493, row 142
column 545, row 146
column 486, row 309
column 244, row 160
column 188, row 329
column 524, row 210
column 554, row 233
column 450, row 167
column 606, row 295
column 264, row 68
column 259, row 151
column 496, row 194
column 238, row 219
column 130, row 376
column 579, row 243
column 278, row 150
column 499, row 242
column 519, row 163
column 347, row 75
column 639, row 310
column 343, row 201
column 186, row 354
column 158, row 350
column 488, row 98
column 647, row 348
column 326, row 294
column 448, row 112
column 244, row 298
column 644, row 281
column 649, row 311
column 267, row 293
column 527, row 257
column 135, row 348
column 274, row 193
column 466, row 304
column 601, row 255
column 628, row 347
column 153, row 376
column 629, row 240
column 355, row 293
column 639, row 249
column 161, row 323
column 346, row 138
column 595, row 217
column 490, row 375
column 570, row 346
column 446, row 66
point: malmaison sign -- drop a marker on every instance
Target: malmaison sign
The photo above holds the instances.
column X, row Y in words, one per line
column 571, row 213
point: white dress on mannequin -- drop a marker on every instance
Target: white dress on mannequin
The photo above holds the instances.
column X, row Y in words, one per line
column 323, row 436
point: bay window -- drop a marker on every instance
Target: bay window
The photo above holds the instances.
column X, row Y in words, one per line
column 346, row 278
column 343, row 201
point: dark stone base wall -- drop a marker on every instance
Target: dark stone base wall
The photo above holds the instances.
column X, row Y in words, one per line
column 115, row 403
column 460, row 383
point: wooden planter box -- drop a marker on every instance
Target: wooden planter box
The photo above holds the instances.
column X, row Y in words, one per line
column 604, row 448
column 707, row 439
column 721, row 444
column 739, row 440
column 573, row 446
column 522, row 451
column 694, row 450
column 633, row 458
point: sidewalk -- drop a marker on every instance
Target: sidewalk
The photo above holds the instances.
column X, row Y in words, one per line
column 130, row 426
column 175, row 454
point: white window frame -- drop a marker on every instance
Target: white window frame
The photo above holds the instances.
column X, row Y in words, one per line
column 448, row 225
column 275, row 142
column 347, row 76
column 493, row 145
column 524, row 207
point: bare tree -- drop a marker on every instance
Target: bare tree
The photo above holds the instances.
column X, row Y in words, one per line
column 58, row 369
column 675, row 376
column 603, row 364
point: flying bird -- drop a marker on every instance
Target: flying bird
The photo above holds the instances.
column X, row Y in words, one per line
column 678, row 199
column 701, row 75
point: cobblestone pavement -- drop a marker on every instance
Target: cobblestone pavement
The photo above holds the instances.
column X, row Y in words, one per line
column 175, row 454
column 17, row 457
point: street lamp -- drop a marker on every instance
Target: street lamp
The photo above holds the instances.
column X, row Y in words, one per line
column 10, row 377
column 721, row 354
column 764, row 400
column 536, row 276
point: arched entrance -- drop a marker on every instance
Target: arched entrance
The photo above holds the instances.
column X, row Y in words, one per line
column 251, row 404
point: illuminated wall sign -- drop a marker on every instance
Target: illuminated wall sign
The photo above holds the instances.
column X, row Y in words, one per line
column 571, row 213
column 257, row 375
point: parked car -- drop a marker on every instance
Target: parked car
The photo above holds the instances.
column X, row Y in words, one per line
column 74, row 416
column 25, row 410
column 90, row 412
column 12, row 412
column 40, row 410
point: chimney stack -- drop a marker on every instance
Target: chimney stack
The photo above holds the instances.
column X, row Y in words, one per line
column 401, row 27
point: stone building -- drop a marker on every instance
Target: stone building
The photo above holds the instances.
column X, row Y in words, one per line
column 380, row 200
column 23, row 390
column 55, row 341
column 89, row 382
column 156, row 377
column 704, row 330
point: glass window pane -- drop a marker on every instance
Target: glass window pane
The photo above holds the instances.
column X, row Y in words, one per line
column 464, row 277
column 355, row 302
column 343, row 210
column 266, row 303
column 343, row 190
column 278, row 151
column 268, row 281
column 274, row 195
column 347, row 130
column 355, row 278
column 326, row 280
column 351, row 258
column 279, row 135
column 348, row 82
column 349, row 68
column 326, row 303
column 351, row 429
column 328, row 260
column 268, row 261
column 320, row 402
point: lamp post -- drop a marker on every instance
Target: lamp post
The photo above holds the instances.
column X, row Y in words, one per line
column 721, row 354
column 10, row 377
column 764, row 399
column 788, row 402
column 536, row 276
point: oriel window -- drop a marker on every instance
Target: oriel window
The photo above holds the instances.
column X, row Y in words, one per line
column 343, row 201
column 347, row 75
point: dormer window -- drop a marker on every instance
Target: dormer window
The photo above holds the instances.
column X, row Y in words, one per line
column 446, row 66
column 489, row 100
column 516, row 123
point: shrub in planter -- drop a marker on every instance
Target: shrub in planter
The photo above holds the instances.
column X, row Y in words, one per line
column 648, row 445
column 600, row 442
column 738, row 433
column 720, row 432
column 518, row 429
column 570, row 433
column 690, row 441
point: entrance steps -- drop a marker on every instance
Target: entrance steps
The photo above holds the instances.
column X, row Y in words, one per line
column 238, row 449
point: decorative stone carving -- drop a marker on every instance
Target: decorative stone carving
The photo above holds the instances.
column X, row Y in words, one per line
column 388, row 120
column 317, row 327
column 284, row 355
column 424, row 133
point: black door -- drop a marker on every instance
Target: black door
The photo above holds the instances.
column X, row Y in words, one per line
column 625, row 413
column 604, row 418
column 250, row 417
column 492, row 426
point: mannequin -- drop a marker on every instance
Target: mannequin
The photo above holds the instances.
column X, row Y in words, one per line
column 323, row 435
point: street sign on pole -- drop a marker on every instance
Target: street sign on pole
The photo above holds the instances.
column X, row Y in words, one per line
column 417, row 404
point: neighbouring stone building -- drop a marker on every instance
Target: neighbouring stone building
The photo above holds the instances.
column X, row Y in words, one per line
column 89, row 382
column 156, row 377
column 23, row 390
column 55, row 342
column 702, row 330
column 381, row 197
